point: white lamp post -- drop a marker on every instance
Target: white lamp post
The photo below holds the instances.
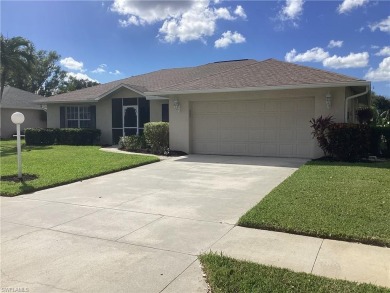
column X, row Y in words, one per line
column 18, row 118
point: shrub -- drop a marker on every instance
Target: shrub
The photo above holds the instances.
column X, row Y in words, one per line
column 40, row 136
column 78, row 136
column 157, row 136
column 68, row 136
column 132, row 143
column 365, row 115
column 348, row 142
column 380, row 141
column 320, row 131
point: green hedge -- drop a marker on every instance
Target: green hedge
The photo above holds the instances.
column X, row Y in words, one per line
column 157, row 136
column 348, row 142
column 66, row 136
column 380, row 141
column 132, row 143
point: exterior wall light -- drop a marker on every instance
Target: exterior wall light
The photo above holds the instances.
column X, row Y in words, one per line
column 176, row 104
column 328, row 100
column 18, row 118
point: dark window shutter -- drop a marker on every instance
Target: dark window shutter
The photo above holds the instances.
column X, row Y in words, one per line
column 164, row 113
column 92, row 110
column 62, row 117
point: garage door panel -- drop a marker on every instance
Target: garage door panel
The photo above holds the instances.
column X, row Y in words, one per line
column 288, row 106
column 255, row 121
column 271, row 120
column 271, row 106
column 270, row 149
column 257, row 128
column 287, row 121
column 255, row 107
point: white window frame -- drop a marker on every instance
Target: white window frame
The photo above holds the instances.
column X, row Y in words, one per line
column 78, row 118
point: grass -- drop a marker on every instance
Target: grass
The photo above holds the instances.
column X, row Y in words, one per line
column 59, row 164
column 227, row 275
column 344, row 201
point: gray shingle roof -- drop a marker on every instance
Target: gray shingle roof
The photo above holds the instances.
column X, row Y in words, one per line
column 220, row 75
column 14, row 98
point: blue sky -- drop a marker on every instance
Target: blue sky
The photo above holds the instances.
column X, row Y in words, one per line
column 109, row 40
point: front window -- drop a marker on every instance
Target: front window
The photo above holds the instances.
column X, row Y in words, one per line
column 78, row 117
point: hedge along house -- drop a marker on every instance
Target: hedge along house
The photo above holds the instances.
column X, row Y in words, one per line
column 241, row 107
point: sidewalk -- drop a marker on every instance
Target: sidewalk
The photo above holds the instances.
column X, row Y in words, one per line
column 323, row 257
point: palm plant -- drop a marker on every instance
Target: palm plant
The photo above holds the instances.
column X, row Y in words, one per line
column 17, row 54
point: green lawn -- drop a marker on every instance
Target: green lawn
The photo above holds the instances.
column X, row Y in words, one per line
column 59, row 164
column 345, row 201
column 227, row 275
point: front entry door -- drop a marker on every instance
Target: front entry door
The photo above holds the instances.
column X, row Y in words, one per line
column 130, row 120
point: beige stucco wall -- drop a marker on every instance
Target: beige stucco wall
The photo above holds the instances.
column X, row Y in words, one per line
column 32, row 119
column 155, row 109
column 180, row 127
column 104, row 112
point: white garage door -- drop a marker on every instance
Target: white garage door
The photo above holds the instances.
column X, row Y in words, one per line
column 267, row 127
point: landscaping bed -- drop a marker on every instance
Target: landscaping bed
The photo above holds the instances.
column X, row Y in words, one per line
column 59, row 164
column 226, row 275
column 344, row 201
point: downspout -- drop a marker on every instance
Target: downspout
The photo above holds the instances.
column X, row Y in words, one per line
column 350, row 98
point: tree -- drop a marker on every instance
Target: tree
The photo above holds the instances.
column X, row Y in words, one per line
column 17, row 55
column 72, row 84
column 382, row 108
column 46, row 75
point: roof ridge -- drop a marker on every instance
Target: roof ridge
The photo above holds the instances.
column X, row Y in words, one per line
column 210, row 75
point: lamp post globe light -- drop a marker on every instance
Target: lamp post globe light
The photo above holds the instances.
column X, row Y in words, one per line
column 18, row 118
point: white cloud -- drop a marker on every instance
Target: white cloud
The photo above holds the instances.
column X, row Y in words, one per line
column 151, row 11
column 223, row 13
column 382, row 73
column 240, row 12
column 292, row 10
column 72, row 64
column 313, row 55
column 348, row 5
column 229, row 38
column 353, row 60
column 383, row 25
column 334, row 44
column 100, row 69
column 79, row 75
column 385, row 51
column 182, row 21
column 116, row 72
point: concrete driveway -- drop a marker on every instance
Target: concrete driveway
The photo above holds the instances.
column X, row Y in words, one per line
column 138, row 230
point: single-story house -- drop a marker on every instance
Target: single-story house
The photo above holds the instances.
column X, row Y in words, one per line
column 239, row 107
column 16, row 100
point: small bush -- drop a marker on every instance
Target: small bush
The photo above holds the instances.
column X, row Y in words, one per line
column 132, row 143
column 40, row 136
column 380, row 141
column 320, row 131
column 157, row 136
column 348, row 142
column 365, row 115
column 78, row 136
column 66, row 136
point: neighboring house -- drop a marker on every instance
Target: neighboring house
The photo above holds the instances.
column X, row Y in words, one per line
column 241, row 107
column 16, row 100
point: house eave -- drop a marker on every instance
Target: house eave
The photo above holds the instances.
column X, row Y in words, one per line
column 92, row 100
column 263, row 88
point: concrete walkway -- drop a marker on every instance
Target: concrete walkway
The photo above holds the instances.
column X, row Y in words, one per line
column 323, row 257
column 141, row 230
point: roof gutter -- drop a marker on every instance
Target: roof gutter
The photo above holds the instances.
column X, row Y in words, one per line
column 350, row 98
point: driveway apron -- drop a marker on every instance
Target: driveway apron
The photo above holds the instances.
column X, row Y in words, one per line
column 138, row 230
